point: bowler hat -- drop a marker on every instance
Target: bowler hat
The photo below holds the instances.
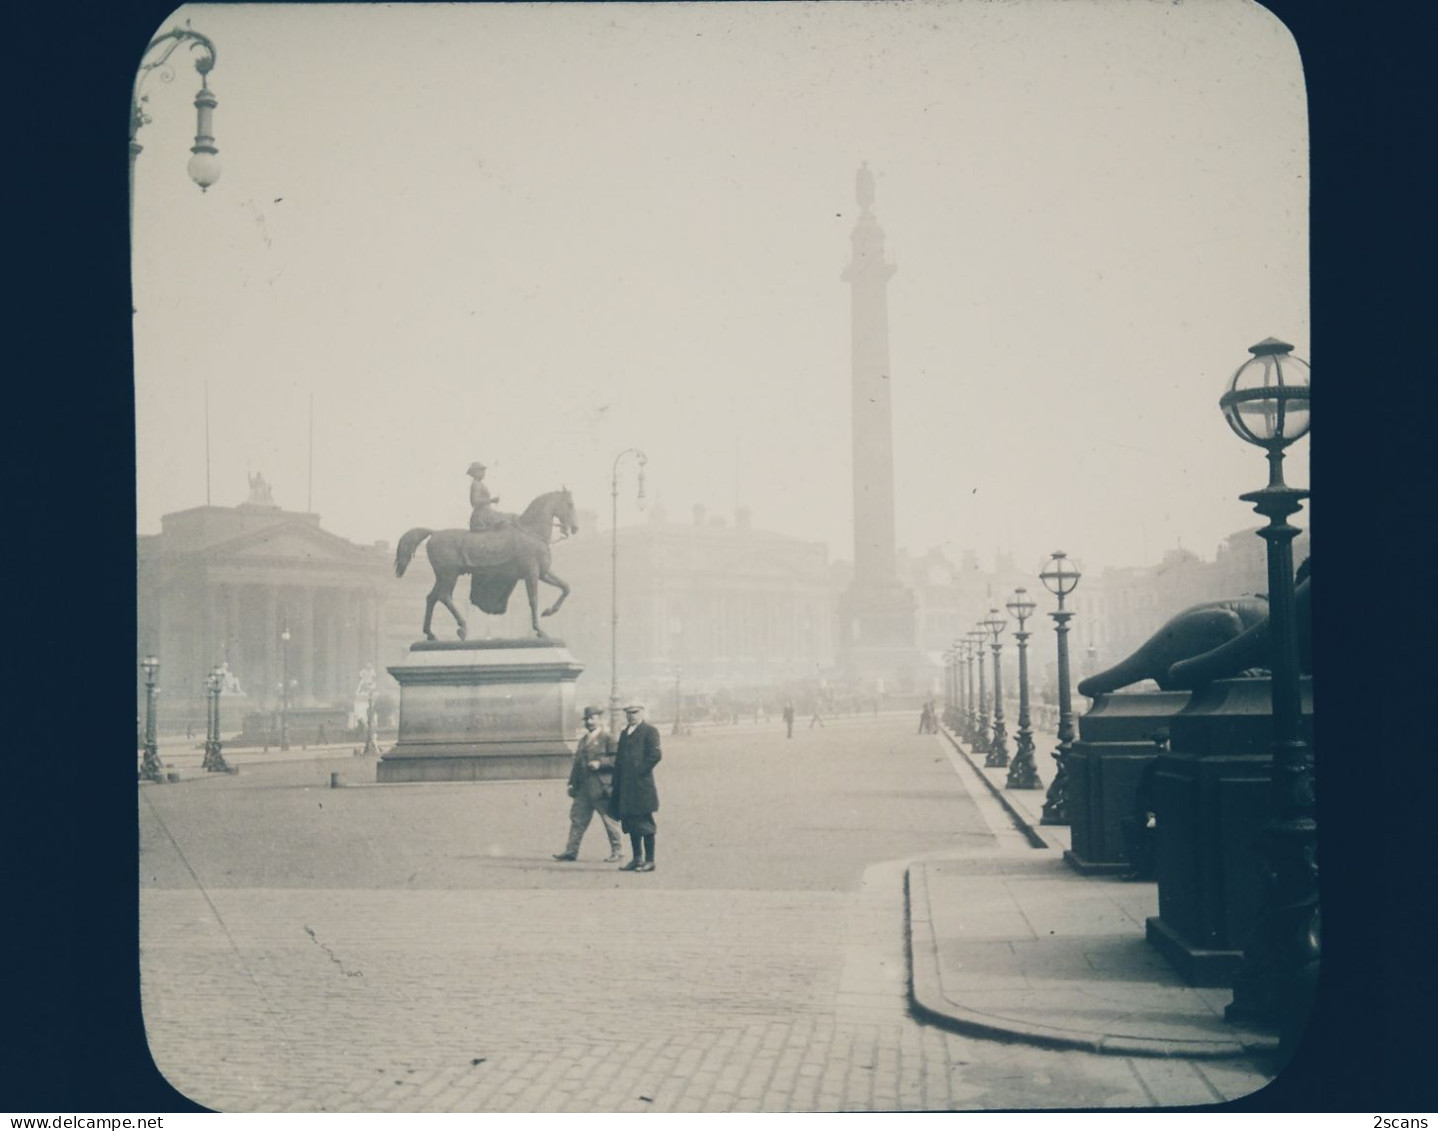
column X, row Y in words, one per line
column 590, row 712
column 476, row 466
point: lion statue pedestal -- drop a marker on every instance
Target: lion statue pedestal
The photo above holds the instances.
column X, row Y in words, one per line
column 1116, row 743
column 483, row 710
column 1212, row 794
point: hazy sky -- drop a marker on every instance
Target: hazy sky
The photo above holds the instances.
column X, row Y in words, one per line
column 536, row 235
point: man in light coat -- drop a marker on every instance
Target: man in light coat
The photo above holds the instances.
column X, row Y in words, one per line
column 634, row 799
column 590, row 780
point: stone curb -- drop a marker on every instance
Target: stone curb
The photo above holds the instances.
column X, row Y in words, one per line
column 929, row 1002
column 1019, row 818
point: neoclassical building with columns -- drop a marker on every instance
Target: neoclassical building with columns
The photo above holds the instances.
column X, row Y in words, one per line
column 221, row 585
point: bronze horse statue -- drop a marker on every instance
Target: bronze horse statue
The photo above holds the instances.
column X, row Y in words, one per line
column 495, row 559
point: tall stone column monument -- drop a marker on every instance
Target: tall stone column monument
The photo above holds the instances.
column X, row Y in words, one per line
column 876, row 613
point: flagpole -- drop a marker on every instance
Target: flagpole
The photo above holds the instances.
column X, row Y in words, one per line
column 207, row 443
column 310, row 500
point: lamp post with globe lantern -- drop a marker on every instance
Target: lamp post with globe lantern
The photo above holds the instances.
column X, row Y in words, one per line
column 642, row 460
column 1267, row 404
column 998, row 755
column 981, row 737
column 1060, row 576
column 285, row 688
column 214, row 757
column 1022, row 773
column 974, row 656
column 956, row 661
column 150, row 767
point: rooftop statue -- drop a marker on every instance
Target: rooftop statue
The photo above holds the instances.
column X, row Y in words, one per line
column 496, row 558
column 260, row 495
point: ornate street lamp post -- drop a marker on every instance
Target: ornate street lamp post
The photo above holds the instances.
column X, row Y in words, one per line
column 1059, row 578
column 204, row 166
column 285, row 688
column 150, row 767
column 1023, row 774
column 982, row 740
column 1267, row 404
column 955, row 656
column 948, row 685
column 956, row 711
column 642, row 460
column 214, row 757
column 999, row 747
column 971, row 716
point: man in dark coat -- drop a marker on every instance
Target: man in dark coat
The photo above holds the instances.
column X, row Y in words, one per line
column 590, row 783
column 634, row 799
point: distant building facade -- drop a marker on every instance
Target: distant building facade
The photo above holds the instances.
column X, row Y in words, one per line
column 711, row 602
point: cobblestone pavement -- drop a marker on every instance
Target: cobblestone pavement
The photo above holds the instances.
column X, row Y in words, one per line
column 413, row 948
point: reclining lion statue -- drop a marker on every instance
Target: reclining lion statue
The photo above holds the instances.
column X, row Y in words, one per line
column 1214, row 640
column 1249, row 650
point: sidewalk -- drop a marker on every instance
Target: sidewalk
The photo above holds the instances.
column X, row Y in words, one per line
column 1012, row 943
column 184, row 758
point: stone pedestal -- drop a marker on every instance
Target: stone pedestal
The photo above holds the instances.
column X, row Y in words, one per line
column 484, row 710
column 1211, row 797
column 1115, row 745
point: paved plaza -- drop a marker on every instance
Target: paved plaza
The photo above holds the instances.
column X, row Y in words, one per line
column 415, row 948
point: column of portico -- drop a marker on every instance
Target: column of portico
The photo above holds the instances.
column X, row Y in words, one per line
column 365, row 627
column 235, row 646
column 334, row 613
column 271, row 673
column 210, row 635
column 307, row 646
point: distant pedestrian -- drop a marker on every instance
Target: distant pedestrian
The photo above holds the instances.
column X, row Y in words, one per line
column 789, row 719
column 817, row 717
column 635, row 800
column 925, row 719
column 591, row 780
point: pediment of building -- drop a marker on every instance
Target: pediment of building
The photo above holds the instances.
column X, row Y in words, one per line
column 286, row 542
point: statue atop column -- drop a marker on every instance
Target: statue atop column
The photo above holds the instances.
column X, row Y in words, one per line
column 864, row 186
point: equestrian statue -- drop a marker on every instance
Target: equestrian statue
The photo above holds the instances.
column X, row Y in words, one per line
column 508, row 549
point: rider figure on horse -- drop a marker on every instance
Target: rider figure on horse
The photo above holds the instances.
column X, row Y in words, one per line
column 483, row 516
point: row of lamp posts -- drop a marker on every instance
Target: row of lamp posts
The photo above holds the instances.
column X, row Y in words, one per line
column 969, row 710
column 1266, row 403
column 151, row 768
